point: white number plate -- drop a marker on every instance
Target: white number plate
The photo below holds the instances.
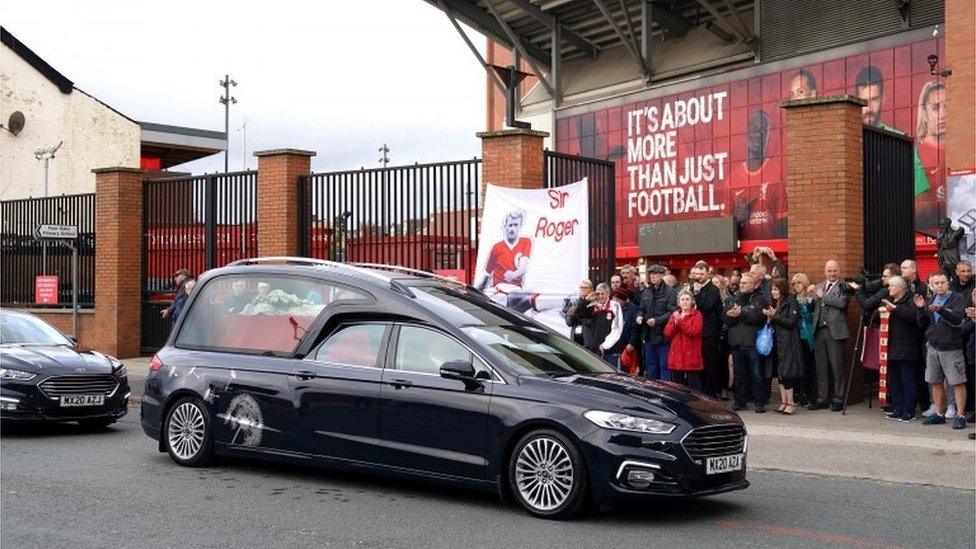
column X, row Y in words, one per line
column 83, row 400
column 723, row 464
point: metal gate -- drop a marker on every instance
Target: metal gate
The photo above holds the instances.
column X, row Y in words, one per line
column 422, row 216
column 195, row 223
column 564, row 169
column 889, row 204
column 24, row 257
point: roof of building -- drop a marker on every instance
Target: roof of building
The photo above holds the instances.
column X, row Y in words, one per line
column 174, row 145
column 605, row 42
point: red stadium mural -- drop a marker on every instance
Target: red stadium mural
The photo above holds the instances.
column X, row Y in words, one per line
column 720, row 150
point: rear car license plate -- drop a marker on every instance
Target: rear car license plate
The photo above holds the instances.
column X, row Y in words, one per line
column 723, row 464
column 82, row 400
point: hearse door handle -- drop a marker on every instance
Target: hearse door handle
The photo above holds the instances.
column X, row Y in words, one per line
column 401, row 383
column 305, row 375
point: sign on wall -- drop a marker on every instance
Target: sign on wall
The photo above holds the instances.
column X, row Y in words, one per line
column 720, row 150
column 46, row 290
column 534, row 249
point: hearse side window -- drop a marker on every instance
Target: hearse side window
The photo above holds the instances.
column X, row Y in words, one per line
column 352, row 345
column 254, row 313
column 423, row 351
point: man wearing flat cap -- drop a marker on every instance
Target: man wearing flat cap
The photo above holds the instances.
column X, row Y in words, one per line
column 657, row 302
column 179, row 279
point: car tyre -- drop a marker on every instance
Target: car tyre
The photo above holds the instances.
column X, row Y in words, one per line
column 95, row 424
column 547, row 476
column 187, row 433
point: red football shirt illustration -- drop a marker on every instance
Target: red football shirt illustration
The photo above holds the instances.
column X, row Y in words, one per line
column 504, row 258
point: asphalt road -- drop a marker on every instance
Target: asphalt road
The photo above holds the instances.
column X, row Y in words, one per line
column 64, row 487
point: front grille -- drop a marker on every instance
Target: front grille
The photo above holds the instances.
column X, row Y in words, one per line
column 715, row 440
column 79, row 385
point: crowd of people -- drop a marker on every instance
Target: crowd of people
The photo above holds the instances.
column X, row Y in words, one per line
column 731, row 336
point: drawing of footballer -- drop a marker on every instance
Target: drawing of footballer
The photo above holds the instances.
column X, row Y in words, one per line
column 504, row 274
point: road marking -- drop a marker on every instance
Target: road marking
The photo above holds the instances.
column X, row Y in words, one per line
column 796, row 532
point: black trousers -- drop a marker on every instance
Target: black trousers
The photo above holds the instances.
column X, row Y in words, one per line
column 716, row 366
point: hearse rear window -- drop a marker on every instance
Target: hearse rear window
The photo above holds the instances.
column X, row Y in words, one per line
column 257, row 314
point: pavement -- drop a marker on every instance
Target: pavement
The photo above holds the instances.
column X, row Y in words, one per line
column 64, row 487
column 858, row 444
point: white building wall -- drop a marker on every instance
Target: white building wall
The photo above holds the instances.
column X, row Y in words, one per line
column 94, row 135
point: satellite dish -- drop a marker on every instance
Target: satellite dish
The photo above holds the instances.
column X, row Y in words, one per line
column 16, row 122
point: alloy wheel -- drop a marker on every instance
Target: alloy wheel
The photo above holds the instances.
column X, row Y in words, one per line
column 186, row 431
column 544, row 473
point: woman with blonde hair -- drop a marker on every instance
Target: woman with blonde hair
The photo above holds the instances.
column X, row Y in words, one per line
column 801, row 288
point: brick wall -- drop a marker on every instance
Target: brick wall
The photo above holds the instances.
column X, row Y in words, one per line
column 278, row 172
column 960, row 58
column 118, row 270
column 512, row 158
column 824, row 184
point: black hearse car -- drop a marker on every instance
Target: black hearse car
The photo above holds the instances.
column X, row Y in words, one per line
column 394, row 371
column 46, row 377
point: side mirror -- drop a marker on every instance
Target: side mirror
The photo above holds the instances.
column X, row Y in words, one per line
column 73, row 340
column 457, row 369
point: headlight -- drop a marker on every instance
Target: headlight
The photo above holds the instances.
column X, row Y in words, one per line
column 624, row 422
column 16, row 374
column 117, row 367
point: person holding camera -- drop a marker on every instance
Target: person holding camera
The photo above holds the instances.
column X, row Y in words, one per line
column 830, row 333
column 870, row 294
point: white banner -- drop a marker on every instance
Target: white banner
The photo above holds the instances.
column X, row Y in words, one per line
column 534, row 249
column 961, row 209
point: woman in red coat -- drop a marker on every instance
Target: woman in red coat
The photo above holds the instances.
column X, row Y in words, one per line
column 684, row 330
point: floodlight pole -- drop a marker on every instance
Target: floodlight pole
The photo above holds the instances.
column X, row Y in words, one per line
column 226, row 100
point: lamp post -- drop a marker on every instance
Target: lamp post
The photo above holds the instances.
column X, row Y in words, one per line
column 47, row 155
column 226, row 100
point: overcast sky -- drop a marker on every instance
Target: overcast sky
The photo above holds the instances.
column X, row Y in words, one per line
column 339, row 78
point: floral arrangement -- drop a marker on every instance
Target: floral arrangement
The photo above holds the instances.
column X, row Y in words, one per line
column 279, row 302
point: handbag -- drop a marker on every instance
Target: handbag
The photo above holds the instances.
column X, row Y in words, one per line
column 764, row 340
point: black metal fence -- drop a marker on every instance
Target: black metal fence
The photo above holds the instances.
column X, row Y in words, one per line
column 422, row 216
column 889, row 206
column 564, row 169
column 194, row 223
column 24, row 258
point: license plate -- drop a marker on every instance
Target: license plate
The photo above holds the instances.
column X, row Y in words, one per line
column 723, row 464
column 83, row 400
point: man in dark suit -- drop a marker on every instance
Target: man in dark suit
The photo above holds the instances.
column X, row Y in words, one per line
column 830, row 333
column 709, row 304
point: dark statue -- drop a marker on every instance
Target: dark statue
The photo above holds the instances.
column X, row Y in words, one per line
column 947, row 246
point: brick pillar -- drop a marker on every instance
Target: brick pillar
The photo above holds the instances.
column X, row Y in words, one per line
column 512, row 158
column 960, row 58
column 118, row 271
column 824, row 189
column 824, row 184
column 278, row 171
